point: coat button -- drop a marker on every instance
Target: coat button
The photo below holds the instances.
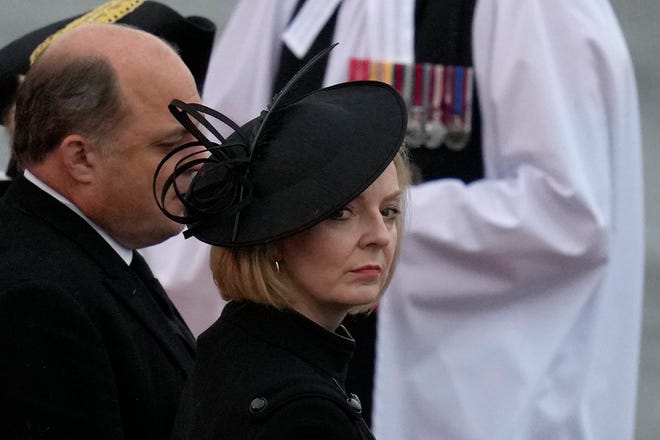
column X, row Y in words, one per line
column 257, row 405
column 354, row 402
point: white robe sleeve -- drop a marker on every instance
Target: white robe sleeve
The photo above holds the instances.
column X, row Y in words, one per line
column 550, row 86
column 515, row 311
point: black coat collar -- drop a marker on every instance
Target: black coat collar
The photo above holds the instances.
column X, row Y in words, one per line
column 326, row 351
column 31, row 200
column 119, row 279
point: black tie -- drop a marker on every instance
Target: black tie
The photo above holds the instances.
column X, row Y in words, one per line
column 141, row 268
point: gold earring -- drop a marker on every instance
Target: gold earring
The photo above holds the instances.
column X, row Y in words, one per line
column 277, row 266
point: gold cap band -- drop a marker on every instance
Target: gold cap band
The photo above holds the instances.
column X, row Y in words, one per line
column 109, row 12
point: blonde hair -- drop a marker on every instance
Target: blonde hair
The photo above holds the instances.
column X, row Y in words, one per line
column 250, row 274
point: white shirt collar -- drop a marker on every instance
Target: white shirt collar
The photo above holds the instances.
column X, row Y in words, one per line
column 125, row 253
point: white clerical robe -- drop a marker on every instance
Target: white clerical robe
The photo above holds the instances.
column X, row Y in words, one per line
column 516, row 307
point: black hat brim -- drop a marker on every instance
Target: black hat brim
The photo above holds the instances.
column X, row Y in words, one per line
column 316, row 155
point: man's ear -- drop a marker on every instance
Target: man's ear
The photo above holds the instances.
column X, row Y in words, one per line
column 79, row 157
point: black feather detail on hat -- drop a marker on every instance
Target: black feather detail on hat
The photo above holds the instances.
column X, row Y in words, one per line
column 305, row 157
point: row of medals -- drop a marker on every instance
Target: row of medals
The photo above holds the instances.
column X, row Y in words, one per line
column 438, row 98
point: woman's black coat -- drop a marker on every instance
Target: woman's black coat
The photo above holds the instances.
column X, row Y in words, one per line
column 265, row 374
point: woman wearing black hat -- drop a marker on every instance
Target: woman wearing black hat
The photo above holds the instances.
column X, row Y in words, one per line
column 303, row 208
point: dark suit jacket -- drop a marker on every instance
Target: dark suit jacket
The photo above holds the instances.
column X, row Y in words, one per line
column 4, row 186
column 267, row 374
column 86, row 350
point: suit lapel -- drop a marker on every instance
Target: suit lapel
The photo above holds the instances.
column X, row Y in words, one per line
column 119, row 278
column 137, row 299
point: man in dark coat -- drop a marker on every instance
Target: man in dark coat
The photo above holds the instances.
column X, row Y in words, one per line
column 91, row 346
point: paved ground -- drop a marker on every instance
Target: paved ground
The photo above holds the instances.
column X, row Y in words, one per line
column 639, row 20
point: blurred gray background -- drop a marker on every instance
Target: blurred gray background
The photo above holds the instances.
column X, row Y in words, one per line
column 639, row 20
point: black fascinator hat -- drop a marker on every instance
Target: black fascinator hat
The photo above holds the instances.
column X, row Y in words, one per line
column 288, row 169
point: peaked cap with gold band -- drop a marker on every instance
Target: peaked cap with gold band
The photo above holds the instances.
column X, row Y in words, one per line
column 191, row 36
